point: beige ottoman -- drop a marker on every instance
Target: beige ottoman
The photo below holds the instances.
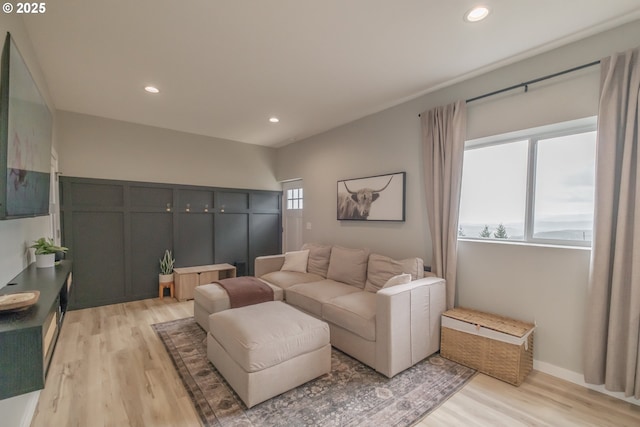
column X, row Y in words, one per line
column 212, row 298
column 266, row 349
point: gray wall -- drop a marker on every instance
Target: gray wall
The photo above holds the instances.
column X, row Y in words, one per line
column 367, row 147
column 93, row 147
column 547, row 285
column 17, row 234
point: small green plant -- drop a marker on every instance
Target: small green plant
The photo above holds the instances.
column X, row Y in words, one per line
column 166, row 263
column 46, row 246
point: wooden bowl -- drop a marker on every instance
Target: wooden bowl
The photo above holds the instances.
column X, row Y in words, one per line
column 18, row 301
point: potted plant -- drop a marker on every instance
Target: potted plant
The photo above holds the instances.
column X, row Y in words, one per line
column 46, row 252
column 165, row 278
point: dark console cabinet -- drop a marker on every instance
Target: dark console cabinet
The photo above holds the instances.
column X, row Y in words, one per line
column 28, row 337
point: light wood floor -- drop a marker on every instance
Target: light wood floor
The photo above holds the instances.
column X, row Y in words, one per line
column 110, row 369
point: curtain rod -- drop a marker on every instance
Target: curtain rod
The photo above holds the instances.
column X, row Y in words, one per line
column 527, row 83
column 539, row 79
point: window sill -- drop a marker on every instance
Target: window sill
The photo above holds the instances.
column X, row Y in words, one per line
column 522, row 243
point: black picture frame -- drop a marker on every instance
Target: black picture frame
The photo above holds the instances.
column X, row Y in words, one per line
column 372, row 198
column 26, row 127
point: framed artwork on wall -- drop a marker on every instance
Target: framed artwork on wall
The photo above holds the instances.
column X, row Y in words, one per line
column 373, row 198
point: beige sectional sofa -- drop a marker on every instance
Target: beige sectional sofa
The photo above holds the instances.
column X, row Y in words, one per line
column 381, row 311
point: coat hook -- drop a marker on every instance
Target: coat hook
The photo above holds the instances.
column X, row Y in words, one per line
column 206, row 207
column 168, row 207
column 188, row 207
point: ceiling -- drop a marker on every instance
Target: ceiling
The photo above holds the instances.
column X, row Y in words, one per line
column 224, row 67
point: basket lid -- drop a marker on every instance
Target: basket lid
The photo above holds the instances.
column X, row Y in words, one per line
column 502, row 324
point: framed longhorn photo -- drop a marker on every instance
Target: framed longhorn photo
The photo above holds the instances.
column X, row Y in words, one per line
column 374, row 198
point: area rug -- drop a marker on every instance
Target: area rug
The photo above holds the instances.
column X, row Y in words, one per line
column 352, row 394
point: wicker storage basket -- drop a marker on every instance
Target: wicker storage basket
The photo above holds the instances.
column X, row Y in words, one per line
column 494, row 345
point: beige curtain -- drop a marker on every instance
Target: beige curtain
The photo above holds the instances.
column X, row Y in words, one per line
column 613, row 313
column 443, row 135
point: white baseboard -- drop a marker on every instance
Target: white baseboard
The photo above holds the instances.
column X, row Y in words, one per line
column 578, row 378
column 30, row 409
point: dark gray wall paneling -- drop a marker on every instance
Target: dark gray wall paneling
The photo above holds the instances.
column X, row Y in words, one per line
column 194, row 243
column 233, row 201
column 151, row 234
column 232, row 238
column 266, row 230
column 151, row 197
column 97, row 195
column 98, row 254
column 117, row 231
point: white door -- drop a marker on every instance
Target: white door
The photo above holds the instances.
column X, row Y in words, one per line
column 54, row 197
column 292, row 217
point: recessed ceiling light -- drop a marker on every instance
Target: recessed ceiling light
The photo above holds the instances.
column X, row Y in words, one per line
column 152, row 89
column 274, row 119
column 476, row 14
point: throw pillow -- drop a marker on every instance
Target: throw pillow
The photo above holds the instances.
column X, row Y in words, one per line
column 318, row 258
column 400, row 279
column 348, row 266
column 295, row 261
column 381, row 268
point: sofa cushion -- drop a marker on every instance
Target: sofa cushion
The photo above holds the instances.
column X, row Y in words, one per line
column 284, row 279
column 381, row 268
column 263, row 335
column 348, row 266
column 318, row 258
column 400, row 279
column 296, row 261
column 355, row 312
column 310, row 296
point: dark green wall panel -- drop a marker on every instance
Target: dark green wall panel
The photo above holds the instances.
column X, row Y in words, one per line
column 194, row 243
column 151, row 197
column 117, row 231
column 230, row 201
column 232, row 238
column 151, row 235
column 98, row 251
column 266, row 232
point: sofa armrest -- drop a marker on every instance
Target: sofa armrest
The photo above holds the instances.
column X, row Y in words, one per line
column 408, row 323
column 267, row 264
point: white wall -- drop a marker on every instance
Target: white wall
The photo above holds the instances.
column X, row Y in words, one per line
column 94, row 147
column 17, row 234
column 363, row 148
column 542, row 284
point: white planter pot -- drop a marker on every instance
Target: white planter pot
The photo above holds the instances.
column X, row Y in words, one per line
column 45, row 260
column 165, row 278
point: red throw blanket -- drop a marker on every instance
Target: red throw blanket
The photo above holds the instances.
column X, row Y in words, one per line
column 246, row 290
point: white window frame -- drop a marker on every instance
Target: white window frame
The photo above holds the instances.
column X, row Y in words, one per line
column 534, row 135
column 299, row 198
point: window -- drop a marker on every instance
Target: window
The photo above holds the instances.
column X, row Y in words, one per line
column 294, row 198
column 533, row 186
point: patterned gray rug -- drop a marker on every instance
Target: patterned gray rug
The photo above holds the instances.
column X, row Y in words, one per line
column 352, row 394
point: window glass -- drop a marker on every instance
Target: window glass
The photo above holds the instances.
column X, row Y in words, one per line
column 535, row 186
column 564, row 190
column 294, row 198
column 493, row 200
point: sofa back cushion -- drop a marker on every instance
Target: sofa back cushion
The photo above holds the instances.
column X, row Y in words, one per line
column 348, row 266
column 318, row 258
column 382, row 268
